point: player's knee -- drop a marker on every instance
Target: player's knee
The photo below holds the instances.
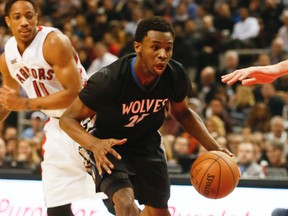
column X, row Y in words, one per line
column 64, row 210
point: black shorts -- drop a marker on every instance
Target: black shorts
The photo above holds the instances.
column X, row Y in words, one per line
column 146, row 173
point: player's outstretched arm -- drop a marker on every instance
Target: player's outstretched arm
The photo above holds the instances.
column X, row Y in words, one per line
column 194, row 125
column 257, row 74
column 70, row 123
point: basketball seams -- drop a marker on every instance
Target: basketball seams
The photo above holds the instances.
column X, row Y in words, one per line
column 215, row 160
column 228, row 163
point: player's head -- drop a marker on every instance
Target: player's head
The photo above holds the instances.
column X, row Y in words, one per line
column 153, row 23
column 21, row 16
column 154, row 45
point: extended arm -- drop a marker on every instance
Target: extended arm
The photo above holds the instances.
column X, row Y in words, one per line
column 70, row 123
column 194, row 125
column 257, row 74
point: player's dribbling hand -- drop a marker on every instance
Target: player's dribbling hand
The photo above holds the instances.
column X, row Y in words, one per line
column 102, row 149
column 226, row 151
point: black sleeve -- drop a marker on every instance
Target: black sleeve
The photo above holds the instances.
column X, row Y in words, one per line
column 97, row 93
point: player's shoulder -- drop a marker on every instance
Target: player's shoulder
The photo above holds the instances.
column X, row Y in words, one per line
column 123, row 62
column 119, row 67
column 55, row 37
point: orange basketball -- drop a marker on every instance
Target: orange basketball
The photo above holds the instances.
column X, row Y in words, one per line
column 214, row 174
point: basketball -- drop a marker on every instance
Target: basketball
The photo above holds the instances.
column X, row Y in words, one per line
column 214, row 174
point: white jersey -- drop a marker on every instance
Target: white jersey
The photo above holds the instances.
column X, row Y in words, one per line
column 64, row 177
column 32, row 71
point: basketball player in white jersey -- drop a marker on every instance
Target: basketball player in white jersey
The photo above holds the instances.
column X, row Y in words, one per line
column 43, row 62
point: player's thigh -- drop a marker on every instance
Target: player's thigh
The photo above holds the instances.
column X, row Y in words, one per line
column 151, row 182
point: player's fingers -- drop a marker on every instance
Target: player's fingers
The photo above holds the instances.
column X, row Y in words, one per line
column 99, row 168
column 249, row 82
column 118, row 142
column 106, row 167
column 115, row 154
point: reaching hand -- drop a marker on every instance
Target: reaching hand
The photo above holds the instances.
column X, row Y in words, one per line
column 101, row 149
column 250, row 76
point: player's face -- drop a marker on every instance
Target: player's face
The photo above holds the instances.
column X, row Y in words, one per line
column 155, row 51
column 22, row 21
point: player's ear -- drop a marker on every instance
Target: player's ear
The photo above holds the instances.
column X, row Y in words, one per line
column 37, row 18
column 137, row 47
column 7, row 20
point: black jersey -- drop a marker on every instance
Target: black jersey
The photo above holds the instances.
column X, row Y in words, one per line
column 124, row 108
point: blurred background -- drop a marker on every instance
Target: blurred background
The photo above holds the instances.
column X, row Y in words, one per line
column 213, row 38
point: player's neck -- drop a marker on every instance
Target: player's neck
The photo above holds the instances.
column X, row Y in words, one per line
column 144, row 77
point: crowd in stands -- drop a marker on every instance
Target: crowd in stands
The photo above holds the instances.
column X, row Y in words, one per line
column 212, row 38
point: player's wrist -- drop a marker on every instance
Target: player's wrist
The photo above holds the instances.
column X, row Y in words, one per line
column 26, row 104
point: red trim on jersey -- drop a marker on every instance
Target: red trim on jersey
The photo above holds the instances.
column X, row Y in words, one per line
column 38, row 93
column 40, row 28
column 42, row 86
column 44, row 139
column 76, row 58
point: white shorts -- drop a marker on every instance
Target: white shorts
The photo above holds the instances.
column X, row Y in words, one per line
column 64, row 177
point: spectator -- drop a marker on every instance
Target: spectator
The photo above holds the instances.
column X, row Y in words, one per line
column 99, row 26
column 168, row 141
column 223, row 19
column 234, row 139
column 245, row 31
column 278, row 132
column 181, row 153
column 230, row 63
column 275, row 155
column 113, row 46
column 26, row 156
column 259, row 118
column 215, row 126
column 191, row 39
column 276, row 51
column 217, row 107
column 131, row 25
column 180, row 147
column 181, row 14
column 263, row 59
column 10, row 132
column 245, row 160
column 2, row 153
column 209, row 44
column 240, row 105
column 37, row 121
column 258, row 140
column 270, row 16
column 103, row 58
column 207, row 85
column 283, row 30
column 128, row 46
column 268, row 95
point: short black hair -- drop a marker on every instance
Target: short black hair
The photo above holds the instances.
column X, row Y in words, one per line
column 9, row 3
column 155, row 23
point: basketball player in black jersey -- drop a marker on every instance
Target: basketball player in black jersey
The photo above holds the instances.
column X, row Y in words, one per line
column 129, row 98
